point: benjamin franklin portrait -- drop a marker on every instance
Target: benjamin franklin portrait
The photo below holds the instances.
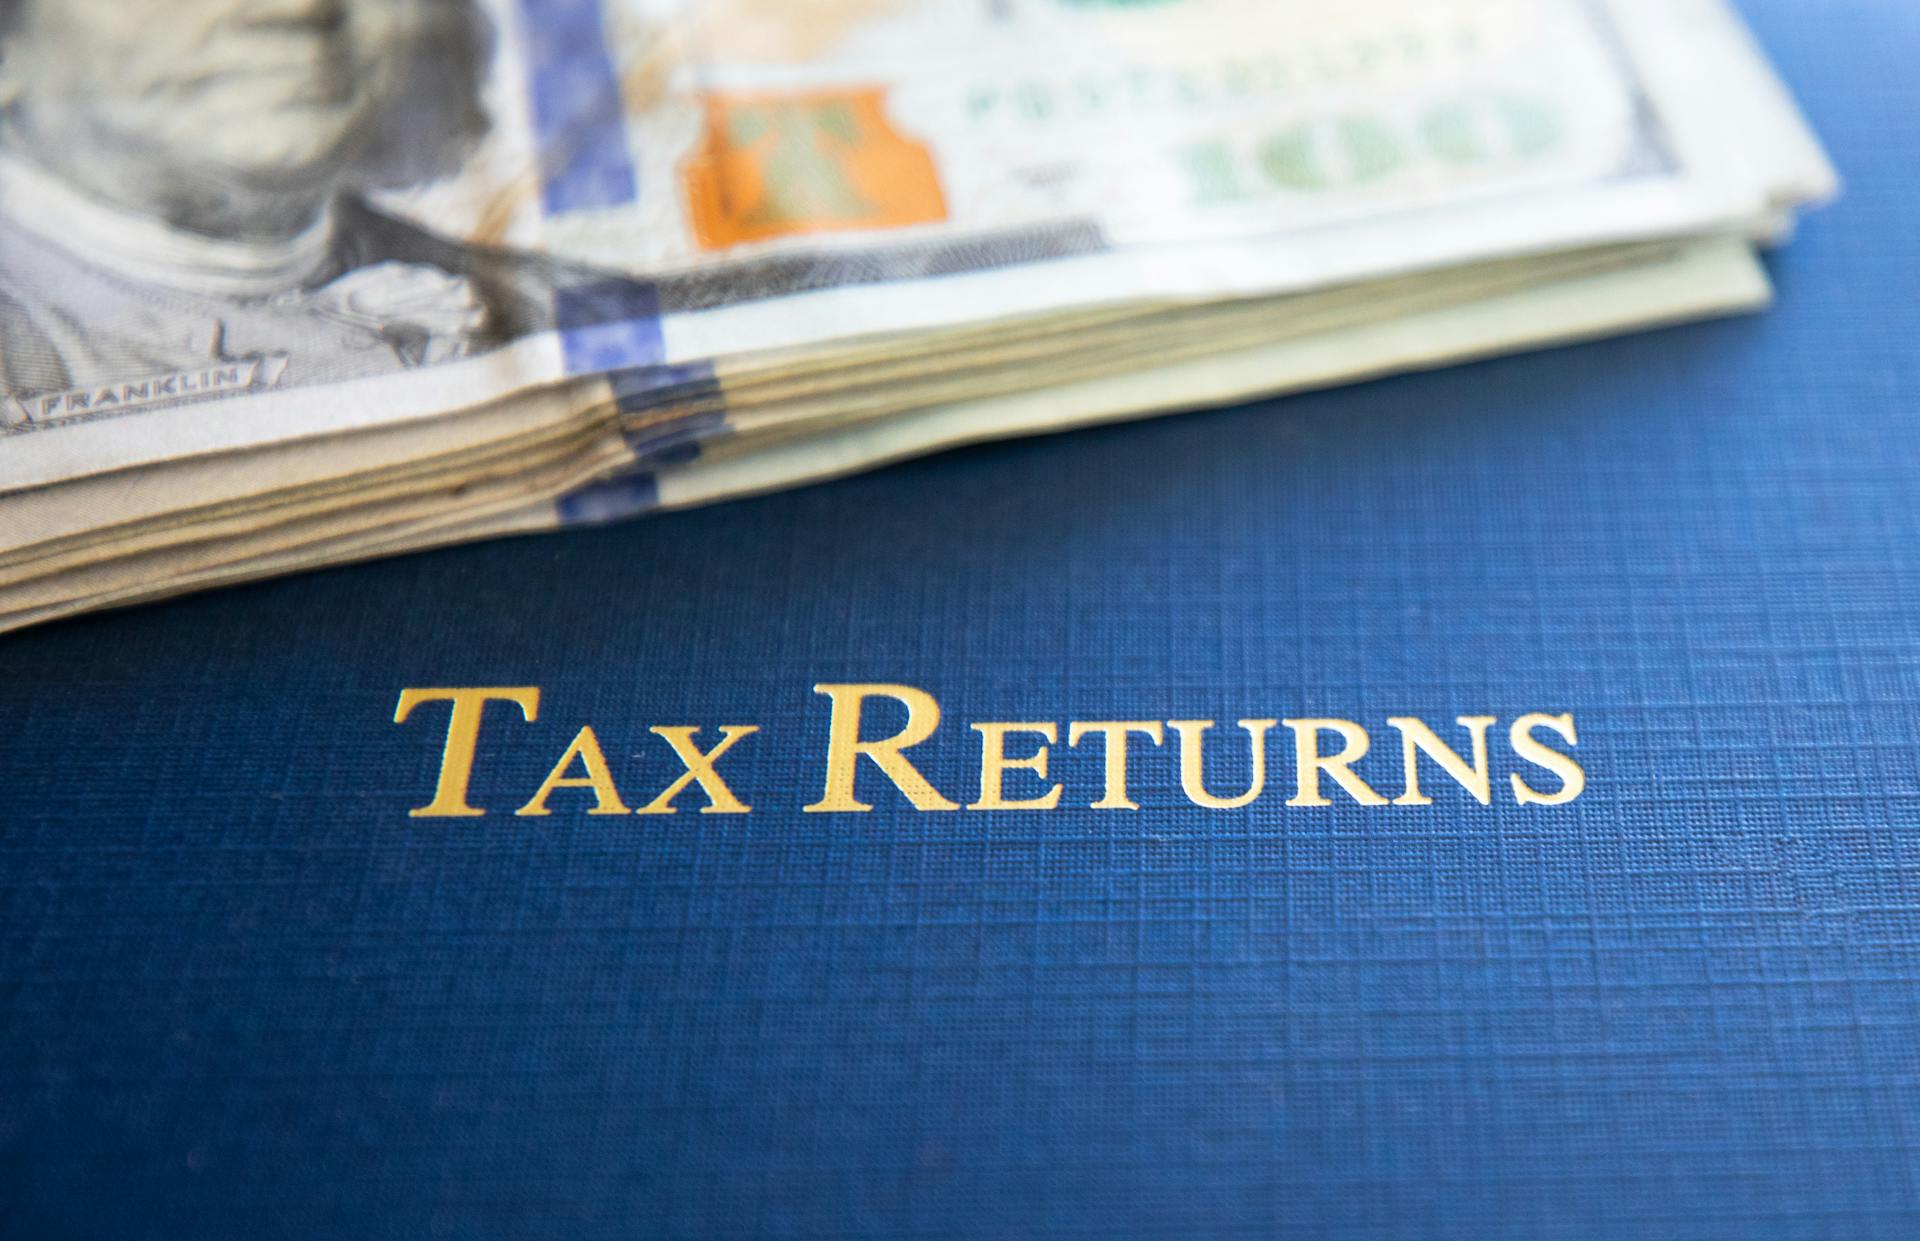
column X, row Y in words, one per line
column 188, row 182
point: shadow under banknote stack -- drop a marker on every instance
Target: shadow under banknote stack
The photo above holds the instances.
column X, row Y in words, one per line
column 277, row 294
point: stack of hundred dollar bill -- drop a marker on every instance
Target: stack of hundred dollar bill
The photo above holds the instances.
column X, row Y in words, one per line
column 286, row 283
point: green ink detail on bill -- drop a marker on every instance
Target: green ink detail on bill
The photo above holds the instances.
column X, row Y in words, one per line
column 1295, row 159
column 1210, row 167
column 805, row 178
column 1481, row 130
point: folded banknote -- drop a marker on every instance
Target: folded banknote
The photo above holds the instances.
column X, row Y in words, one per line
column 297, row 282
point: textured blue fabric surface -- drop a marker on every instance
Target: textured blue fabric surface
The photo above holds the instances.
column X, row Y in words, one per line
column 243, row 996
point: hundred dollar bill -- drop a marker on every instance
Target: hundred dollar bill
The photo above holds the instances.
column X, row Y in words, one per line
column 1691, row 281
column 1645, row 285
column 60, row 529
column 226, row 224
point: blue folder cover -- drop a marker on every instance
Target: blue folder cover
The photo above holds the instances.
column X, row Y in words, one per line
column 244, row 993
